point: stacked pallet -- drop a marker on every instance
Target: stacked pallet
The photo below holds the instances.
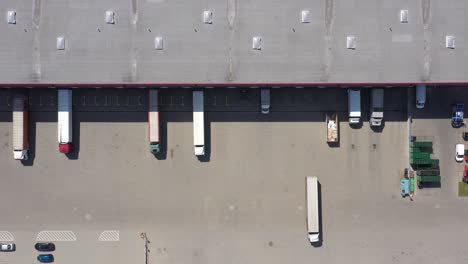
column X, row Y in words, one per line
column 427, row 169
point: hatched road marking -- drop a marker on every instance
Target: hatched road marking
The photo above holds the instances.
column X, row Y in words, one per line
column 6, row 236
column 110, row 235
column 56, row 236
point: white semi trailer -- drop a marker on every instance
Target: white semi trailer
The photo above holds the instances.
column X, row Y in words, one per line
column 153, row 122
column 198, row 123
column 20, row 127
column 64, row 121
column 312, row 209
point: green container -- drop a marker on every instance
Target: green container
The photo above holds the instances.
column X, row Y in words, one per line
column 425, row 166
column 420, row 155
column 428, row 172
column 429, row 178
column 421, row 144
column 415, row 149
column 424, row 161
column 411, row 186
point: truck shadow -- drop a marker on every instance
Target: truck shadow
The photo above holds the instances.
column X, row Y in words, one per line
column 162, row 155
column 34, row 118
column 32, row 143
column 207, row 156
column 378, row 129
column 75, row 154
column 321, row 231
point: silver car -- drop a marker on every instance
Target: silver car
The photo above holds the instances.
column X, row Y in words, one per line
column 7, row 247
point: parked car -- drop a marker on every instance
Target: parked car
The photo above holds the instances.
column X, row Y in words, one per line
column 44, row 246
column 7, row 247
column 465, row 136
column 459, row 152
column 45, row 258
column 457, row 115
column 420, row 95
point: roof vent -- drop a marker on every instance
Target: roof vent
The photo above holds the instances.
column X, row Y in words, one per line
column 305, row 16
column 158, row 43
column 207, row 17
column 450, row 42
column 257, row 43
column 11, row 17
column 110, row 15
column 351, row 42
column 60, row 43
column 403, row 16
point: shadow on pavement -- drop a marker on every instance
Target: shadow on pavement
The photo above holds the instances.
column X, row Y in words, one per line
column 321, row 231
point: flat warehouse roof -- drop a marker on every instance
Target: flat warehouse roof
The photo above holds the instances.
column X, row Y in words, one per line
column 232, row 42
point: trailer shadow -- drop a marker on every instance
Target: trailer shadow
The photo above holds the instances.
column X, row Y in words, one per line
column 75, row 154
column 34, row 118
column 378, row 129
column 162, row 155
column 321, row 231
column 207, row 156
column 32, row 143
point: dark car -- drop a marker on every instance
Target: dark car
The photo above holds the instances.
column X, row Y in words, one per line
column 45, row 246
column 45, row 258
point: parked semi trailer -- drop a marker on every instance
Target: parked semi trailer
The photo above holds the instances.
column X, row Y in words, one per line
column 198, row 123
column 20, row 127
column 312, row 209
column 65, row 127
column 153, row 122
column 354, row 105
column 377, row 106
column 332, row 127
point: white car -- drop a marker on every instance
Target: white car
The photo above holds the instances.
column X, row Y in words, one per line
column 459, row 152
column 7, row 247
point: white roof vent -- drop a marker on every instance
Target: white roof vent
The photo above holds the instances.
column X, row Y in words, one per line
column 450, row 42
column 257, row 43
column 60, row 43
column 351, row 42
column 207, row 17
column 305, row 16
column 11, row 17
column 158, row 43
column 403, row 16
column 110, row 15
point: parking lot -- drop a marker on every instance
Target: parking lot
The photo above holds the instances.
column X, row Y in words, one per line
column 246, row 202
